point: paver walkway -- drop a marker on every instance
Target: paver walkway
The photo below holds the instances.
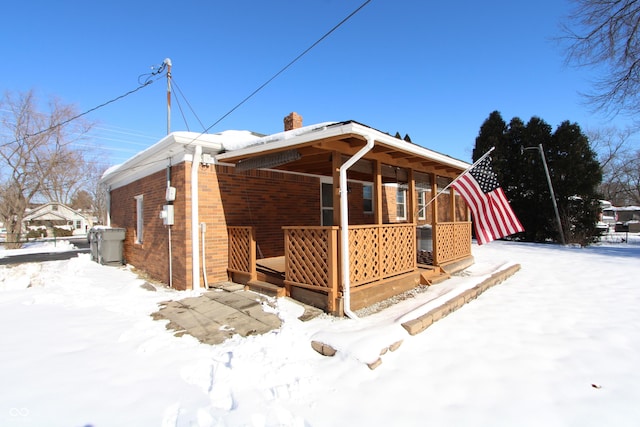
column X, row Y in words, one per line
column 217, row 315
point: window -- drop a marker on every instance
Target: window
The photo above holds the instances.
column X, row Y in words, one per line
column 54, row 207
column 422, row 208
column 401, row 203
column 78, row 224
column 139, row 218
column 326, row 198
column 367, row 198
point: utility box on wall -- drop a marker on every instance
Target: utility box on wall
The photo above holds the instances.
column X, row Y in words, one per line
column 167, row 215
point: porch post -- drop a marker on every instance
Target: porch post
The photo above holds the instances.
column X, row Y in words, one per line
column 452, row 193
column 377, row 191
column 336, row 162
column 434, row 218
column 411, row 197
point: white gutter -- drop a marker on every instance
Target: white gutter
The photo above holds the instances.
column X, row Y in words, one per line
column 344, row 225
column 195, row 247
column 328, row 131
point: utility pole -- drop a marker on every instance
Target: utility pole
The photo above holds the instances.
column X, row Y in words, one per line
column 167, row 62
column 553, row 196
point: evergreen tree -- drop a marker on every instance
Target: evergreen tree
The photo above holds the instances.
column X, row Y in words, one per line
column 492, row 134
column 576, row 175
column 573, row 168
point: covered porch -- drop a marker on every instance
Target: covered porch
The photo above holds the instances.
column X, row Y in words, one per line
column 347, row 261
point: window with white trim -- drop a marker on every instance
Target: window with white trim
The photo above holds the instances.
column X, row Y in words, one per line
column 139, row 218
column 401, row 203
column 422, row 200
column 326, row 202
column 367, row 198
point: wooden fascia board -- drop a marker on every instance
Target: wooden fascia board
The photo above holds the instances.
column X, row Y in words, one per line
column 344, row 144
column 234, row 160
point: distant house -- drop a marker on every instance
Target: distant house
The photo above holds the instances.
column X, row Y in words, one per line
column 53, row 214
column 625, row 218
column 335, row 214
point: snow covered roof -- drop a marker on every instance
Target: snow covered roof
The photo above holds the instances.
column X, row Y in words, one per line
column 234, row 144
column 292, row 138
column 53, row 211
column 623, row 208
column 172, row 149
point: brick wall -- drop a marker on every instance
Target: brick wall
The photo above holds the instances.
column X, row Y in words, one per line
column 152, row 254
column 266, row 200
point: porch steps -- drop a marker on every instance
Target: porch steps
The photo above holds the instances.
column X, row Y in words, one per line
column 265, row 288
column 431, row 275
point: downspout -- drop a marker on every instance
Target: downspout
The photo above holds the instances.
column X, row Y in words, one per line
column 169, row 228
column 195, row 247
column 108, row 207
column 203, row 228
column 344, row 226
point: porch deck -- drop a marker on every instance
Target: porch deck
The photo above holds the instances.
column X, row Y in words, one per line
column 383, row 264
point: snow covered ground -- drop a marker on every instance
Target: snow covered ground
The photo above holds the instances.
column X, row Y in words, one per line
column 557, row 344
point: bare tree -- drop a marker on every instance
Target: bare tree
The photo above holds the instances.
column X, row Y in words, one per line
column 62, row 185
column 620, row 166
column 33, row 147
column 604, row 34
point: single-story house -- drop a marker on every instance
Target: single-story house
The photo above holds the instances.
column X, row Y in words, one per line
column 623, row 217
column 53, row 214
column 336, row 214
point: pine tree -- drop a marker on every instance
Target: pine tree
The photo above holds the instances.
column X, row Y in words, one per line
column 575, row 174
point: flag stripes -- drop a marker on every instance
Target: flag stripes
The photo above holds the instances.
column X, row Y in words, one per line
column 491, row 211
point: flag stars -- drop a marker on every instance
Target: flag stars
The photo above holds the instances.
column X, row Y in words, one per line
column 484, row 175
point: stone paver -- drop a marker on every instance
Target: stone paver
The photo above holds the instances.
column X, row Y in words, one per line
column 218, row 315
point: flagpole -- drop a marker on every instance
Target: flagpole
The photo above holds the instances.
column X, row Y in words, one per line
column 457, row 178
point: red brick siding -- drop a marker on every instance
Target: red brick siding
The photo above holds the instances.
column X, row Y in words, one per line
column 268, row 201
column 152, row 254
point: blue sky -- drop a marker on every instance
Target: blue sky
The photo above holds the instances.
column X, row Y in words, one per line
column 434, row 70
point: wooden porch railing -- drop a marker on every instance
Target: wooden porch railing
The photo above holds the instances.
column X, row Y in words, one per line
column 452, row 241
column 377, row 252
column 311, row 257
column 242, row 251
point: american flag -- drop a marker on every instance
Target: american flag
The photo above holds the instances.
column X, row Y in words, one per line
column 491, row 211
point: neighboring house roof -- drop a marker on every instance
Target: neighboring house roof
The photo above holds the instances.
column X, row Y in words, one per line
column 623, row 208
column 47, row 212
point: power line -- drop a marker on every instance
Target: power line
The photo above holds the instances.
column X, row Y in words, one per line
column 282, row 70
column 338, row 25
column 174, row 83
column 57, row 125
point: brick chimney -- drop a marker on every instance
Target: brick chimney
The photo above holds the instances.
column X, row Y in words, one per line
column 292, row 121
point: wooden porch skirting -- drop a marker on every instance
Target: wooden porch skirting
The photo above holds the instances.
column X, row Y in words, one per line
column 383, row 263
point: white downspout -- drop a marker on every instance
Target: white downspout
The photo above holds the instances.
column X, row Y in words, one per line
column 195, row 247
column 344, row 226
column 108, row 207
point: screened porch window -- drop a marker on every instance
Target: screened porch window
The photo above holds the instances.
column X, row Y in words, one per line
column 367, row 198
column 401, row 203
column 422, row 201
